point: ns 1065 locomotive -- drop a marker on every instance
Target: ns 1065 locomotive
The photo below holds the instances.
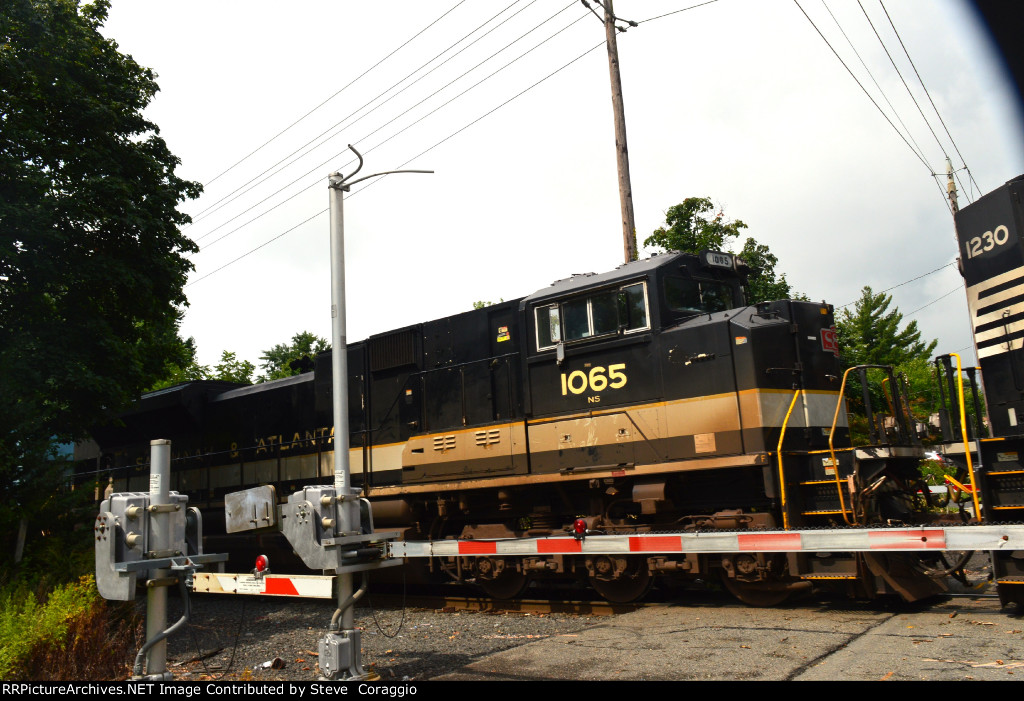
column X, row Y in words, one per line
column 649, row 398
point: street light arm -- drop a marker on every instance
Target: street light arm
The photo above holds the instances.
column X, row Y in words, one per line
column 347, row 185
column 336, row 180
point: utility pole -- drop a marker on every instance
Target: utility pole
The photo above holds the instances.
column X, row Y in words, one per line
column 951, row 187
column 621, row 150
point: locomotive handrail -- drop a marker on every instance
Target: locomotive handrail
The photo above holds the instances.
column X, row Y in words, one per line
column 832, row 450
column 782, row 477
column 963, row 431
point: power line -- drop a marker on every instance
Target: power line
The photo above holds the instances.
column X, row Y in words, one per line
column 906, row 282
column 675, row 12
column 941, row 121
column 492, row 111
column 896, row 68
column 909, row 314
column 450, row 136
column 919, row 150
column 262, row 245
column 861, row 86
column 258, row 179
column 321, row 165
column 942, row 193
column 318, row 167
column 406, row 43
column 558, row 70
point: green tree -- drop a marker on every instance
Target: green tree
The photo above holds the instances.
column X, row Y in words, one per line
column 91, row 256
column 287, row 359
column 873, row 334
column 231, row 369
column 687, row 229
column 184, row 367
column 763, row 285
column 693, row 226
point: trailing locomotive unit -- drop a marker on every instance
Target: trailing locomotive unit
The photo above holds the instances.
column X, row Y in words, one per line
column 647, row 398
column 992, row 263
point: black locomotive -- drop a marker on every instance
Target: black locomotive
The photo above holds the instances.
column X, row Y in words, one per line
column 649, row 398
column 991, row 260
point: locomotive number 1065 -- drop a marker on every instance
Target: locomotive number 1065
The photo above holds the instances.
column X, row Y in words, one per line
column 597, row 380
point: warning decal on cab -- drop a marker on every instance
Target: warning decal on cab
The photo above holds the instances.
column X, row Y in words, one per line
column 829, row 342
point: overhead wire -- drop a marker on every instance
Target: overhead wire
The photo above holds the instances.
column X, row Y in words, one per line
column 861, row 86
column 880, row 110
column 453, row 134
column 676, row 12
column 251, row 251
column 926, row 92
column 349, row 84
column 918, row 149
column 256, row 180
column 492, row 111
column 259, row 179
column 514, row 97
column 913, row 98
column 939, row 299
column 324, row 163
column 905, row 282
column 324, row 211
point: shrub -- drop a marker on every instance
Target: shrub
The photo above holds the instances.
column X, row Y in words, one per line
column 74, row 635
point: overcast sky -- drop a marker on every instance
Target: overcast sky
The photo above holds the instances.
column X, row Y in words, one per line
column 738, row 100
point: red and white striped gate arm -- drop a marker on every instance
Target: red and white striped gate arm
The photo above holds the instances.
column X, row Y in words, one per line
column 297, row 585
column 995, row 537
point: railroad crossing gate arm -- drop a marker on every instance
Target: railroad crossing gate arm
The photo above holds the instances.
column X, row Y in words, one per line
column 1002, row 537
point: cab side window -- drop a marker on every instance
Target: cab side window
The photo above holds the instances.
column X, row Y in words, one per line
column 601, row 314
column 549, row 327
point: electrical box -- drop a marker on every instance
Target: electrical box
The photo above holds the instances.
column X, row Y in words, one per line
column 123, row 541
column 311, row 521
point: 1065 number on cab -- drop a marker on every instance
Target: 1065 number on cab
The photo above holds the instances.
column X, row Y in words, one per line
column 597, row 380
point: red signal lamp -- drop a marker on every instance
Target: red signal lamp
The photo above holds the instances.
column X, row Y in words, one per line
column 579, row 529
column 262, row 564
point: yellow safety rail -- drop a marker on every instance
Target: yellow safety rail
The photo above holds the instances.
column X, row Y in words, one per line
column 963, row 430
column 956, row 485
column 832, row 451
column 782, row 477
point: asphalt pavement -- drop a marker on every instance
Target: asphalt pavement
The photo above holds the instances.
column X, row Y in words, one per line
column 943, row 640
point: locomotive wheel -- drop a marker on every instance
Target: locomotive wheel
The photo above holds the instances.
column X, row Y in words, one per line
column 508, row 585
column 628, row 587
column 760, row 594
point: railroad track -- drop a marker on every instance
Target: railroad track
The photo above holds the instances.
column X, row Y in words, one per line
column 474, row 603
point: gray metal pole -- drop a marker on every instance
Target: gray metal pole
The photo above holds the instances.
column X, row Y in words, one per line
column 339, row 384
column 348, row 504
column 159, row 541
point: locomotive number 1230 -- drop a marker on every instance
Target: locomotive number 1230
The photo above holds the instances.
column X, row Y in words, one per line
column 596, row 380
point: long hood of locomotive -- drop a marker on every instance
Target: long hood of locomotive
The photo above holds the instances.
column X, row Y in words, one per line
column 692, row 395
column 713, row 391
column 992, row 262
